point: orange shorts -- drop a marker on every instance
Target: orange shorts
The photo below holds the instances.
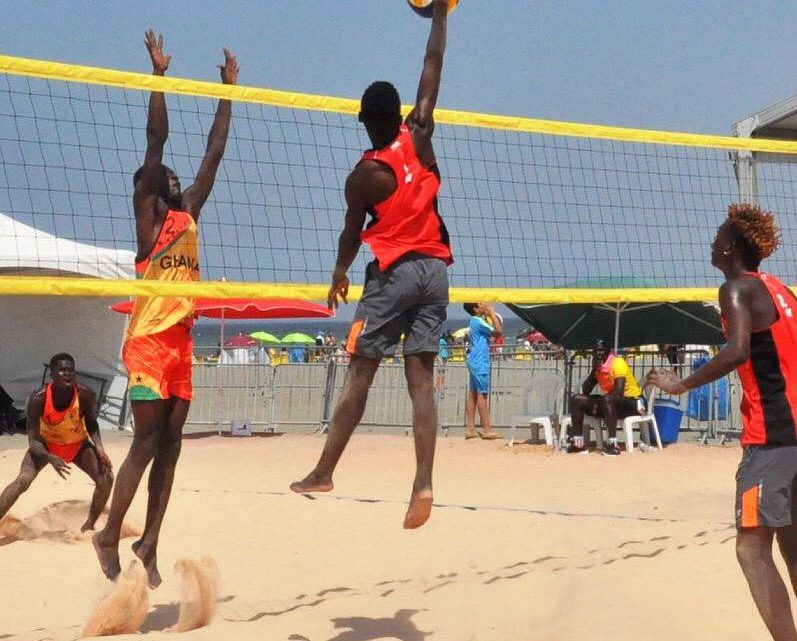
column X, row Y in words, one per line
column 159, row 365
column 67, row 452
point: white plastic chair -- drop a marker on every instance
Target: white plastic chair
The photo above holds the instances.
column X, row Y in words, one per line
column 541, row 400
column 643, row 423
column 590, row 422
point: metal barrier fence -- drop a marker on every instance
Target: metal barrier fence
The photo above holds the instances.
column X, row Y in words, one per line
column 306, row 393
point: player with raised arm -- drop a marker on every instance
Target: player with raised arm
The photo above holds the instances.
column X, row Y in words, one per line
column 158, row 349
column 406, row 286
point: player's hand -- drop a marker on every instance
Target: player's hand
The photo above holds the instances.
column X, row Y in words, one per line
column 229, row 70
column 666, row 380
column 60, row 465
column 160, row 61
column 105, row 460
column 338, row 288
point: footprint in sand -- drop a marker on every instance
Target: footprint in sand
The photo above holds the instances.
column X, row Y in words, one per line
column 123, row 607
column 59, row 521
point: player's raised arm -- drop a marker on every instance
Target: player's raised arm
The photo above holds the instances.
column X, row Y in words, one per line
column 195, row 196
column 147, row 182
column 422, row 116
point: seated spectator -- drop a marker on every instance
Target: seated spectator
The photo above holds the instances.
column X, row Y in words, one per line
column 622, row 398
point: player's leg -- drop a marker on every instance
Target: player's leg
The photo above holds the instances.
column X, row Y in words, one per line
column 348, row 413
column 88, row 461
column 787, row 541
column 754, row 552
column 374, row 335
column 581, row 405
column 28, row 470
column 178, row 350
column 764, row 483
column 419, row 372
column 424, row 326
column 159, row 487
column 147, row 419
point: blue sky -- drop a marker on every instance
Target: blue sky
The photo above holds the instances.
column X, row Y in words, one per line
column 692, row 66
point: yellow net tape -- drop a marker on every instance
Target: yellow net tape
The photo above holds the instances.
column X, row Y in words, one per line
column 39, row 286
column 145, row 82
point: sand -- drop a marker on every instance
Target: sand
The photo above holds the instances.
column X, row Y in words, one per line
column 522, row 544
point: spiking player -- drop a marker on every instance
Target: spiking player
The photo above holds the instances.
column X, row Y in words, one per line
column 158, row 346
column 406, row 287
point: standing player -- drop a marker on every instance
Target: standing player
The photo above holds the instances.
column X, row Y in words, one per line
column 62, row 429
column 406, row 287
column 158, row 347
column 758, row 312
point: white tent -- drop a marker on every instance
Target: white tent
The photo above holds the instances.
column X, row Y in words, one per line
column 36, row 327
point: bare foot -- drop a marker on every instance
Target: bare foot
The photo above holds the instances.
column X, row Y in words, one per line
column 419, row 510
column 150, row 562
column 108, row 556
column 312, row 483
column 469, row 434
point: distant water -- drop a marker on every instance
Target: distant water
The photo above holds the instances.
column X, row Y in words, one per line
column 206, row 332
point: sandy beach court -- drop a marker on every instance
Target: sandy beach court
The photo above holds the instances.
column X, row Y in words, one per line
column 523, row 544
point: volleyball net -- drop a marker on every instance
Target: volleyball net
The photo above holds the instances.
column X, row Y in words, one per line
column 537, row 211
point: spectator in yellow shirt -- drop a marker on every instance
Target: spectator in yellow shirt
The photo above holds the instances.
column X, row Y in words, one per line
column 621, row 398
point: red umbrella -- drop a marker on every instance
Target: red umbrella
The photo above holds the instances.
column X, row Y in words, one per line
column 537, row 337
column 249, row 308
column 241, row 340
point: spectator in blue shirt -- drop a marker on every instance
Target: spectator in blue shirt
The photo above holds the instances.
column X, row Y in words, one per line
column 479, row 367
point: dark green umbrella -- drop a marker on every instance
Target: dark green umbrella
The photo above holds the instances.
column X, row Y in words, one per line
column 578, row 325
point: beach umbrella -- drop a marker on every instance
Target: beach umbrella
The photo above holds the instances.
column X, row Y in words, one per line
column 537, row 337
column 578, row 325
column 265, row 337
column 241, row 340
column 461, row 332
column 298, row 337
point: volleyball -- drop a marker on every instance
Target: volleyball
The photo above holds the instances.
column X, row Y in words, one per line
column 424, row 7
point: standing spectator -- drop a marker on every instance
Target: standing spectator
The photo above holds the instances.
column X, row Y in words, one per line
column 479, row 367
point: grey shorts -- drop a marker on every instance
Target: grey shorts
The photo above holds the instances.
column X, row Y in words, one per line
column 765, row 485
column 410, row 298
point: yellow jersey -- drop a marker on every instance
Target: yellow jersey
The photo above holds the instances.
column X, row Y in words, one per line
column 174, row 258
column 62, row 427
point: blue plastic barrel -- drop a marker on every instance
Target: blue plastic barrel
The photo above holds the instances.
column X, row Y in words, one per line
column 668, row 417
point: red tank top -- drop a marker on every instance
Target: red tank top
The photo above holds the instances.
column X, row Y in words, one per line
column 408, row 220
column 769, row 376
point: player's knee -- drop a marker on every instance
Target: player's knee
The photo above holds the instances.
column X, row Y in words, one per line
column 170, row 446
column 748, row 550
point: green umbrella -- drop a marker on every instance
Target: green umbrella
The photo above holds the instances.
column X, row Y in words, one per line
column 298, row 337
column 578, row 325
column 265, row 337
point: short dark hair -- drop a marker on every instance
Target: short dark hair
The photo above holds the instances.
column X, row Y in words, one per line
column 163, row 182
column 380, row 103
column 61, row 356
column 470, row 308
